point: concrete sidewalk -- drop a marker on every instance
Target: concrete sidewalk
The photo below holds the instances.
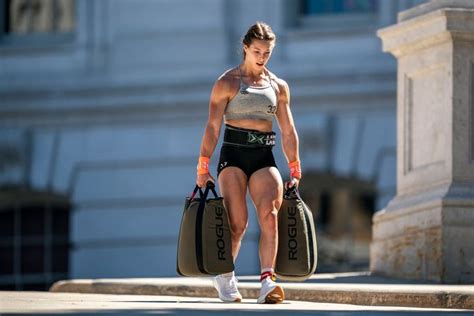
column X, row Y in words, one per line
column 75, row 304
column 342, row 288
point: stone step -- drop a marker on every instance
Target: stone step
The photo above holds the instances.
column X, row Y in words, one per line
column 342, row 288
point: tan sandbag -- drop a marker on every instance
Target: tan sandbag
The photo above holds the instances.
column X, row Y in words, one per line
column 297, row 247
column 204, row 244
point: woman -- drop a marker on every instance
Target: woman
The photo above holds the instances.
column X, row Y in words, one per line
column 247, row 97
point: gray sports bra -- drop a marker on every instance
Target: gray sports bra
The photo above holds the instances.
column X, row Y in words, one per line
column 251, row 102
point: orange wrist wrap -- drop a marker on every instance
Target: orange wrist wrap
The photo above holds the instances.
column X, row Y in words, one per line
column 295, row 169
column 203, row 165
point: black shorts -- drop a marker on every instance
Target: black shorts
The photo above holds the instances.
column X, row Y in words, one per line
column 244, row 152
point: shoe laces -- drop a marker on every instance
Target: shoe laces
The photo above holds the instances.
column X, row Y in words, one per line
column 232, row 284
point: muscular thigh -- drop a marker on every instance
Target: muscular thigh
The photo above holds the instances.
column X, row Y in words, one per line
column 233, row 187
column 266, row 189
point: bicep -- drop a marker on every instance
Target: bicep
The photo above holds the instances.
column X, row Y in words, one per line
column 284, row 116
column 217, row 103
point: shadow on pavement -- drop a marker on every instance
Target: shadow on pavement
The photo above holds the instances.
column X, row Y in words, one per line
column 233, row 311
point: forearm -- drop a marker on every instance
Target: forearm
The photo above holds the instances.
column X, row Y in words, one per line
column 290, row 145
column 209, row 140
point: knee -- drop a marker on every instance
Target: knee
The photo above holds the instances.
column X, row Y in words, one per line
column 238, row 228
column 276, row 205
column 270, row 205
column 269, row 221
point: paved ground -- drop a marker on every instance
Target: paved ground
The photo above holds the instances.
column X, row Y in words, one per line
column 47, row 303
column 340, row 288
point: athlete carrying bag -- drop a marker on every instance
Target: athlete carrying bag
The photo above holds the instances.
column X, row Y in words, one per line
column 204, row 245
column 297, row 250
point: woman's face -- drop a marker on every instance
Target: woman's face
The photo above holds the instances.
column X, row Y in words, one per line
column 258, row 52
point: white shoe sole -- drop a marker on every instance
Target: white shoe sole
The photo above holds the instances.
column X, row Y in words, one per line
column 273, row 296
column 225, row 299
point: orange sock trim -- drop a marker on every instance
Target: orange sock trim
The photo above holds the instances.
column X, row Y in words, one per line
column 203, row 165
column 295, row 169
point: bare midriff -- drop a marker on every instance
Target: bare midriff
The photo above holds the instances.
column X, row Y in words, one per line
column 259, row 125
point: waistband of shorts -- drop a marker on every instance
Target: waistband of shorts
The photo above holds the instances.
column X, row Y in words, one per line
column 247, row 137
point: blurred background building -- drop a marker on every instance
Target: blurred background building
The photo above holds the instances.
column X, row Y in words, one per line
column 102, row 109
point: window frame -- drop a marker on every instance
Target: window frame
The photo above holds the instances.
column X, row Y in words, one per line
column 16, row 201
column 34, row 41
column 334, row 21
column 304, row 5
column 351, row 22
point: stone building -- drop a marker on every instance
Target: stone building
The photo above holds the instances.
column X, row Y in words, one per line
column 102, row 109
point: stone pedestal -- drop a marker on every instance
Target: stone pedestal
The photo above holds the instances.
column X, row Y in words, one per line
column 427, row 231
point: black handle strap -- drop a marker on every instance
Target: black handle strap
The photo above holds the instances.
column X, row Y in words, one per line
column 212, row 187
column 292, row 193
column 203, row 195
column 196, row 189
column 199, row 223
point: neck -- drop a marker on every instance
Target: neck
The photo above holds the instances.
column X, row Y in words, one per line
column 251, row 71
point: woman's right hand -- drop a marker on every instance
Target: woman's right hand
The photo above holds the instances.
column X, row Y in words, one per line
column 202, row 179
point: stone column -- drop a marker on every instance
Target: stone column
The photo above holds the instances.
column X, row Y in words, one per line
column 427, row 231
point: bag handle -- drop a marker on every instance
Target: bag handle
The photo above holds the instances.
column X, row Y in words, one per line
column 292, row 193
column 196, row 188
column 211, row 186
column 203, row 195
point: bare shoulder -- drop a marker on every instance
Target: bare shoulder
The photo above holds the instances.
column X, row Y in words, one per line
column 228, row 81
column 281, row 85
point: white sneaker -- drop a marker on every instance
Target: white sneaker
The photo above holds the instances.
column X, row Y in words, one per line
column 227, row 288
column 270, row 293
